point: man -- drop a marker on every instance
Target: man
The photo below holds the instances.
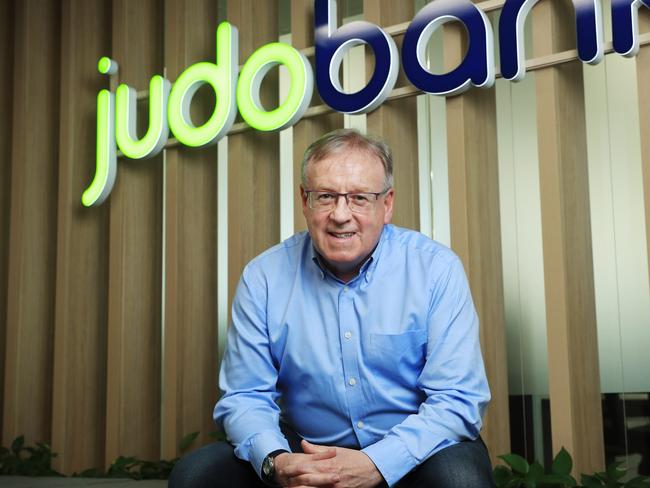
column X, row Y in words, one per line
column 353, row 357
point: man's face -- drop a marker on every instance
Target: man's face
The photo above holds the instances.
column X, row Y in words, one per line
column 343, row 238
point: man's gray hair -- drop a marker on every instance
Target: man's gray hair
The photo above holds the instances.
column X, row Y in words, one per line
column 340, row 139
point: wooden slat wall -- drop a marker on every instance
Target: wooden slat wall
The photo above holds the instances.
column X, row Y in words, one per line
column 190, row 360
column 253, row 157
column 476, row 231
column 643, row 79
column 32, row 231
column 134, row 283
column 6, row 99
column 79, row 391
column 306, row 131
column 574, row 384
column 396, row 121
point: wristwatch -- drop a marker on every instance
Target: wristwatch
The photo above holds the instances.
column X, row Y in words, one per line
column 268, row 467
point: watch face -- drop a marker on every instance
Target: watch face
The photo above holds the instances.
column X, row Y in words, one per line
column 267, row 466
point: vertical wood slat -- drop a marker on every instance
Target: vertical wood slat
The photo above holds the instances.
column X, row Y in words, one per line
column 190, row 356
column 6, row 89
column 306, row 131
column 643, row 78
column 396, row 122
column 79, row 385
column 574, row 384
column 253, row 157
column 475, row 232
column 134, row 289
column 32, row 231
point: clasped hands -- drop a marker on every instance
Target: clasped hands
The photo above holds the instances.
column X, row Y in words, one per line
column 330, row 467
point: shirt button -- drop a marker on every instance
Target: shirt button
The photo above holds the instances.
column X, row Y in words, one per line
column 348, row 335
column 352, row 382
column 360, row 424
column 345, row 289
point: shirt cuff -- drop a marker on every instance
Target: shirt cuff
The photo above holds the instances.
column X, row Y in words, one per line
column 263, row 444
column 392, row 458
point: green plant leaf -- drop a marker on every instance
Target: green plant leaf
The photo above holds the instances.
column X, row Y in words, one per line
column 187, row 440
column 17, row 444
column 536, row 471
column 562, row 464
column 91, row 473
column 552, row 479
column 515, row 483
column 501, row 476
column 615, row 472
column 535, row 475
column 591, row 481
column 516, row 462
column 638, row 482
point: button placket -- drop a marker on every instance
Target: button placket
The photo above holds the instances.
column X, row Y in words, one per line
column 348, row 330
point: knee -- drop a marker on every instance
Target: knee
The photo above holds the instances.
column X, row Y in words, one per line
column 201, row 468
column 463, row 465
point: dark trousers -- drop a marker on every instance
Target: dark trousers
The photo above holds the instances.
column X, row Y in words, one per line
column 463, row 465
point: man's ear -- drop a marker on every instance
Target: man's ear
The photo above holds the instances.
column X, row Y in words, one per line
column 388, row 205
column 303, row 198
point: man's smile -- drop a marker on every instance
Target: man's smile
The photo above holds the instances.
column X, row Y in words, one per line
column 342, row 235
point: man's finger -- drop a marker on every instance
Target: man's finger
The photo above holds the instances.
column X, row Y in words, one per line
column 327, row 453
column 315, row 479
column 310, row 448
column 293, row 470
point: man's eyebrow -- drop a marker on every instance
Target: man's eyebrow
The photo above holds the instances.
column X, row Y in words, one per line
column 336, row 191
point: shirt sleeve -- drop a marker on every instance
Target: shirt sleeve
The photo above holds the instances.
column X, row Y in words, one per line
column 453, row 380
column 247, row 409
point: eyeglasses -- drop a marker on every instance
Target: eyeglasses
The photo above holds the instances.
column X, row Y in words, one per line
column 358, row 202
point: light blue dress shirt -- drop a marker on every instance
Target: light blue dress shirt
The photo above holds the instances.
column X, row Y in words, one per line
column 389, row 363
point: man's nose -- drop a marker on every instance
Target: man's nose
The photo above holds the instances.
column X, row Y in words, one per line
column 341, row 211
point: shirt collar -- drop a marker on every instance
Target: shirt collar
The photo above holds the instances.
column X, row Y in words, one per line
column 367, row 268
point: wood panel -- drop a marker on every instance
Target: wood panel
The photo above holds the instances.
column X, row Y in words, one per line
column 396, row 121
column 574, row 385
column 135, row 256
column 643, row 78
column 253, row 157
column 190, row 356
column 79, row 391
column 32, row 231
column 308, row 130
column 476, row 231
column 6, row 89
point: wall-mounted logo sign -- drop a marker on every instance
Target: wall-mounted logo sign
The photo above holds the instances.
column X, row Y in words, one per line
column 169, row 105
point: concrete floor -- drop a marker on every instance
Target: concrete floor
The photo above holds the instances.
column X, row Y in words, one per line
column 44, row 482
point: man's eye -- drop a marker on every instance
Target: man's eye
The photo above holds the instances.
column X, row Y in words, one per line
column 325, row 197
column 360, row 198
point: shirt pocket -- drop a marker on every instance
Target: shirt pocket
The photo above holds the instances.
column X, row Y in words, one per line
column 397, row 351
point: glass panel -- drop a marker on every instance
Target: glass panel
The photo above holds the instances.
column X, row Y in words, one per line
column 523, row 264
column 432, row 143
column 620, row 259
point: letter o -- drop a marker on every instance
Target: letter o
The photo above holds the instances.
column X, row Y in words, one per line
column 250, row 80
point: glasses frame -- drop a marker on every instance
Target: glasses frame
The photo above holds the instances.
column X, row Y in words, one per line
column 346, row 196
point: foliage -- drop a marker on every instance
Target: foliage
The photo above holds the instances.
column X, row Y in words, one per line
column 19, row 460
column 612, row 478
column 520, row 474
